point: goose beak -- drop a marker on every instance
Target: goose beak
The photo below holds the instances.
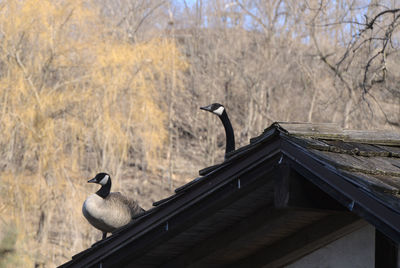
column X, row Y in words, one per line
column 92, row 180
column 206, row 108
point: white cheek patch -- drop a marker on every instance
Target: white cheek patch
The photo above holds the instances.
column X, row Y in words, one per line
column 104, row 180
column 219, row 111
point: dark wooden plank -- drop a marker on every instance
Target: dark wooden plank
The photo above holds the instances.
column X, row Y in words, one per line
column 245, row 236
column 332, row 131
column 386, row 251
column 291, row 190
column 389, row 180
column 282, row 186
column 303, row 242
column 312, row 128
column 377, row 182
column 357, row 148
column 378, row 137
column 232, row 214
column 264, row 217
column 370, row 165
column 205, row 171
column 394, row 150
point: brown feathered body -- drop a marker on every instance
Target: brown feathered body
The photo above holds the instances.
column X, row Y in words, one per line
column 109, row 213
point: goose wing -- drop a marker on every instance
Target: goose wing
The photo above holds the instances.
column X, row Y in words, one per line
column 130, row 203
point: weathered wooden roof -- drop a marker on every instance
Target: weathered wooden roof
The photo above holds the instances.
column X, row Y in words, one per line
column 369, row 160
column 331, row 131
column 290, row 191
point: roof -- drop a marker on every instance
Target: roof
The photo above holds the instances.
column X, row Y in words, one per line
column 293, row 189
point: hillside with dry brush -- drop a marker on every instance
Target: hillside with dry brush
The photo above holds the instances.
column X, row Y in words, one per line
column 115, row 86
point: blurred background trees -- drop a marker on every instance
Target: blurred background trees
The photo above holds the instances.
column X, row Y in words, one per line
column 115, row 86
column 77, row 97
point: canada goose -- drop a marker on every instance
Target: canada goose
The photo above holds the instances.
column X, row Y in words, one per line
column 219, row 110
column 108, row 211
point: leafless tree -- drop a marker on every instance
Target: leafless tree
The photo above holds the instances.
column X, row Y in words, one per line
column 365, row 63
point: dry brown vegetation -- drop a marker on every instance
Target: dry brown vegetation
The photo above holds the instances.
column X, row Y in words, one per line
column 115, row 85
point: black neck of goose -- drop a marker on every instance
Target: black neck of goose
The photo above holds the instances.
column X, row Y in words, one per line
column 105, row 189
column 230, row 136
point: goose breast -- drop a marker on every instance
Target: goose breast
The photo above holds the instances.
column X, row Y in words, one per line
column 107, row 214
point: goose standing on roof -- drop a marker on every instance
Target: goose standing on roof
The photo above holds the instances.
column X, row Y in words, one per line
column 220, row 111
column 108, row 211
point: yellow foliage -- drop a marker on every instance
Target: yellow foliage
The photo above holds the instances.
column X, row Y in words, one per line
column 73, row 99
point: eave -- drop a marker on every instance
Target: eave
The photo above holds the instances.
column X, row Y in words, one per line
column 268, row 185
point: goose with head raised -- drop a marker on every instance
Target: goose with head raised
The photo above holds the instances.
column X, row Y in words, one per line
column 220, row 111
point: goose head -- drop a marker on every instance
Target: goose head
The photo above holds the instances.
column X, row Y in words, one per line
column 214, row 108
column 101, row 178
column 105, row 181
